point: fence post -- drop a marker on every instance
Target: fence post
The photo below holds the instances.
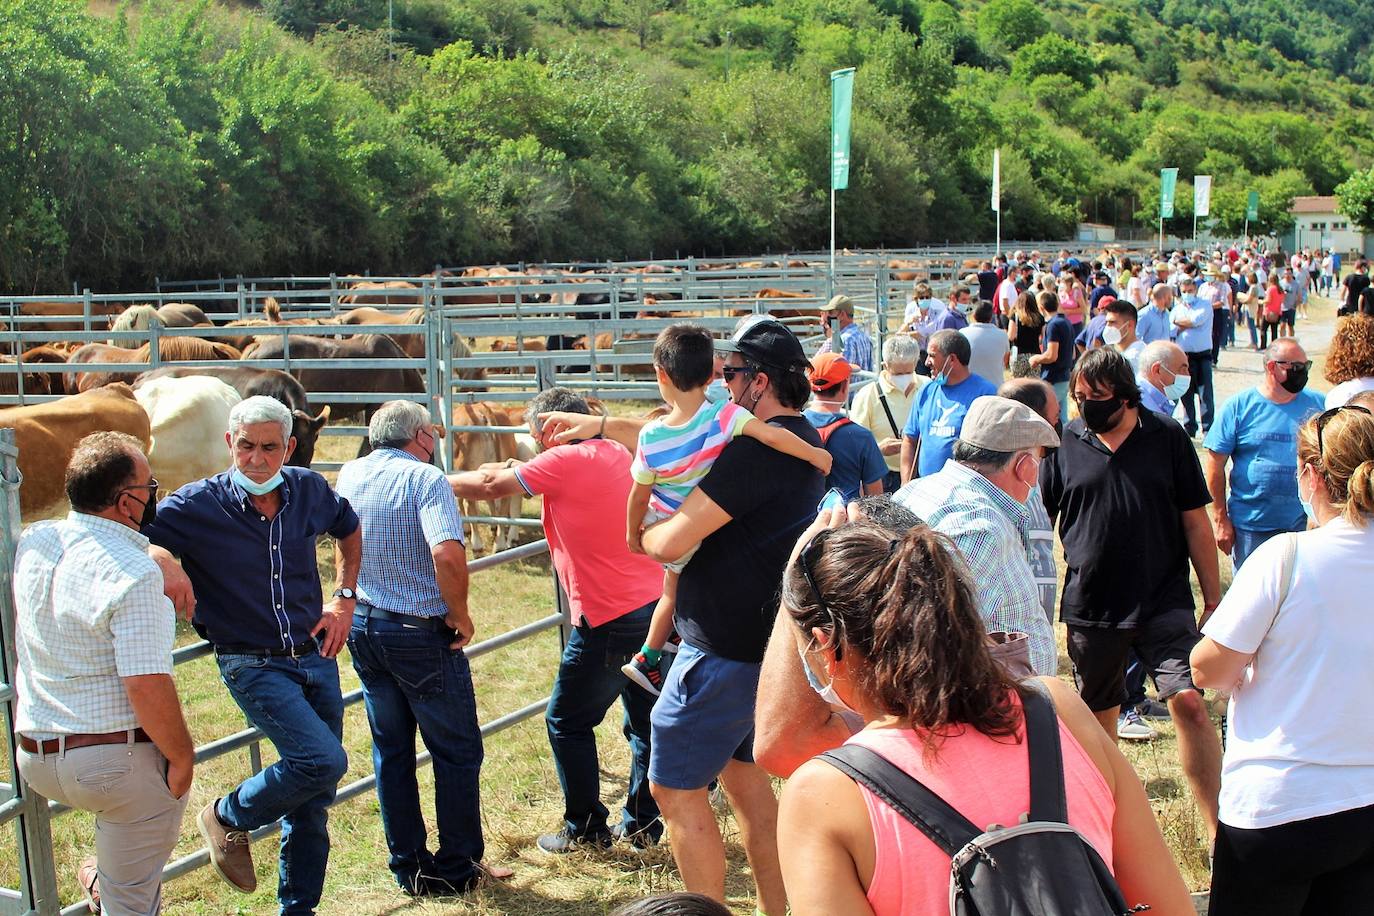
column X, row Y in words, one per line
column 238, row 289
column 333, row 294
column 545, row 373
column 86, row 308
column 37, row 872
column 154, row 344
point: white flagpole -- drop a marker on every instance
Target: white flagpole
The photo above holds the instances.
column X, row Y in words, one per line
column 832, row 238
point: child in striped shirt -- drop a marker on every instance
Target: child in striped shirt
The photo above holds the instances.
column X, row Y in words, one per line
column 674, row 454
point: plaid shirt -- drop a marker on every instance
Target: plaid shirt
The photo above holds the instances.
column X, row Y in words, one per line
column 89, row 611
column 856, row 347
column 406, row 509
column 991, row 531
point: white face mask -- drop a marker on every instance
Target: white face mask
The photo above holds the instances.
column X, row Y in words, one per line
column 902, row 382
column 1111, row 336
column 825, row 692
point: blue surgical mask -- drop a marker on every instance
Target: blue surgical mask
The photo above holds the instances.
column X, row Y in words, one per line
column 252, row 486
column 825, row 692
column 1178, row 387
column 716, row 391
column 1306, row 508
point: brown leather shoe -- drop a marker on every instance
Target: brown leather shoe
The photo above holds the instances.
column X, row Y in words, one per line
column 89, row 879
column 229, row 852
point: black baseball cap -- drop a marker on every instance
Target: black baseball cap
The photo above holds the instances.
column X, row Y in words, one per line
column 768, row 342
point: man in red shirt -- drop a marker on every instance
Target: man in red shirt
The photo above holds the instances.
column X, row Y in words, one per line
column 611, row 591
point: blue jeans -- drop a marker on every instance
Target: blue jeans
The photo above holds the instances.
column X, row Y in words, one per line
column 1200, row 371
column 1247, row 541
column 1061, row 391
column 411, row 679
column 588, row 683
column 296, row 703
column 1250, row 325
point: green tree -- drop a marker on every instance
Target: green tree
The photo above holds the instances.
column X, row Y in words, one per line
column 1054, row 54
column 1356, row 196
column 1011, row 24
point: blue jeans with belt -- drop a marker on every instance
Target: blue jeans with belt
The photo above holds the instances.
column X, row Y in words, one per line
column 589, row 681
column 1200, row 373
column 413, row 680
column 296, row 703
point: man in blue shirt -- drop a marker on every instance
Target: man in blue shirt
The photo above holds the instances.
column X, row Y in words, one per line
column 853, row 343
column 858, row 468
column 409, row 629
column 246, row 538
column 1102, row 286
column 937, row 414
column 1055, row 359
column 1153, row 323
column 1162, row 376
column 1257, row 431
column 1192, row 320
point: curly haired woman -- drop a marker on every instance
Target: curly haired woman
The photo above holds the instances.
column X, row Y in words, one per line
column 1350, row 361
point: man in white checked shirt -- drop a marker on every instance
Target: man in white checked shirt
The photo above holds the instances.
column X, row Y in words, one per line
column 100, row 726
column 978, row 500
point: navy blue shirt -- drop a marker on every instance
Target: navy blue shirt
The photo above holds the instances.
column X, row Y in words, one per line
column 857, row 460
column 256, row 580
column 1057, row 329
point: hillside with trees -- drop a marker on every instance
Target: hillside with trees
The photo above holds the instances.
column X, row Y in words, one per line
column 195, row 138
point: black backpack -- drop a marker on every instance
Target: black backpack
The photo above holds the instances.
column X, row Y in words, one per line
column 1040, row 867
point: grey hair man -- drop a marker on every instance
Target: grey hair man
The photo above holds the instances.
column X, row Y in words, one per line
column 410, row 625
column 978, row 499
column 883, row 406
column 247, row 539
column 99, row 724
column 1163, row 376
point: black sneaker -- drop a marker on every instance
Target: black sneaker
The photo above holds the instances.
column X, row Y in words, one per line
column 648, row 676
column 566, row 841
column 640, row 839
column 423, row 885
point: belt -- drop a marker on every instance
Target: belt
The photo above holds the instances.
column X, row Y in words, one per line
column 52, row 745
column 434, row 624
column 309, row 648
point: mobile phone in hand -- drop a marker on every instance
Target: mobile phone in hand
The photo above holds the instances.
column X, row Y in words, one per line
column 833, row 499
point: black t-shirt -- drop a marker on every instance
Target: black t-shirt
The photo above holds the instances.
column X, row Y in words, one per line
column 1120, row 517
column 987, row 285
column 1355, row 285
column 728, row 594
column 1367, row 300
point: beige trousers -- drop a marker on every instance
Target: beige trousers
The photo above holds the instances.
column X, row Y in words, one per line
column 137, row 819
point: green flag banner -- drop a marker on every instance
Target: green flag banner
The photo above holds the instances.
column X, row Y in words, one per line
column 1252, row 206
column 841, row 98
column 1168, row 178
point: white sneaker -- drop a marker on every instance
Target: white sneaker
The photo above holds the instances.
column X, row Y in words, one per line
column 1130, row 727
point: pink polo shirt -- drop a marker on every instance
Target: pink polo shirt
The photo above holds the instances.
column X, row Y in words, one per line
column 585, row 487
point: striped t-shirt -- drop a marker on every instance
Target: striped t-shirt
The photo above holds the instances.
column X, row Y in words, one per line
column 673, row 459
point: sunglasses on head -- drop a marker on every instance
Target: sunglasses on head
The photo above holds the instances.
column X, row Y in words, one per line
column 1326, row 416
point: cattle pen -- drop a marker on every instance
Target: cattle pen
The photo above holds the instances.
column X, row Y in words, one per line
column 615, row 308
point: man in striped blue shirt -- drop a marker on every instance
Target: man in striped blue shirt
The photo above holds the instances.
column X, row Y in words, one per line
column 409, row 628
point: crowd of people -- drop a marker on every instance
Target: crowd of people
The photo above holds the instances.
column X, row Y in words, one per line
column 839, row 573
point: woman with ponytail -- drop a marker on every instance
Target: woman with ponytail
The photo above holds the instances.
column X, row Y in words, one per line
column 1292, row 641
column 888, row 625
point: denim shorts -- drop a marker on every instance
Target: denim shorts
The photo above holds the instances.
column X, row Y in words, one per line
column 703, row 720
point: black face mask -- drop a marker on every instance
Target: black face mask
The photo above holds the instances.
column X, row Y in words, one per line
column 1295, row 380
column 1099, row 416
column 149, row 511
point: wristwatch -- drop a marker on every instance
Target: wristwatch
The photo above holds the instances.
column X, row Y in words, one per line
column 345, row 593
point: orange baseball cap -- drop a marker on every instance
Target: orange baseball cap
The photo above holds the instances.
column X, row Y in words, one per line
column 828, row 370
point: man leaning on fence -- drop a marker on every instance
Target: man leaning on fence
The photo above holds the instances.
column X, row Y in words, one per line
column 100, row 726
column 409, row 629
column 246, row 538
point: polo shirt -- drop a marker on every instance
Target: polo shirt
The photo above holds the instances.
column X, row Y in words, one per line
column 1153, row 324
column 1057, row 329
column 256, row 579
column 1120, row 518
column 586, row 486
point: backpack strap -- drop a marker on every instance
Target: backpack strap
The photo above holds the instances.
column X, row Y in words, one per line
column 905, row 794
column 1047, row 802
column 825, row 432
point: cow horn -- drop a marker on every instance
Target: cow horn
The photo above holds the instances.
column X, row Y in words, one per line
column 324, row 414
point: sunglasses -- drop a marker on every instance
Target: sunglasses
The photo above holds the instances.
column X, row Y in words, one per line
column 151, row 486
column 1326, row 416
column 731, row 371
column 804, row 561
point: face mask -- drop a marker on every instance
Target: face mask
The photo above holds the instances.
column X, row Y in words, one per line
column 716, row 391
column 252, row 486
column 1295, row 380
column 957, row 306
column 1097, row 415
column 825, row 692
column 1111, row 336
column 1034, row 481
column 903, row 381
column 429, row 459
column 149, row 510
column 1178, row 387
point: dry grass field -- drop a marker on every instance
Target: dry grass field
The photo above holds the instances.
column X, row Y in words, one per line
column 520, row 790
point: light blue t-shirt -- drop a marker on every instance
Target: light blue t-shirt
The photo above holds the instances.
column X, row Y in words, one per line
column 1262, row 439
column 936, row 417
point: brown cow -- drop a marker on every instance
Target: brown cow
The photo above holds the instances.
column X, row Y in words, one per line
column 55, row 310
column 170, row 349
column 35, row 382
column 47, row 433
column 388, row 292
column 527, row 345
column 471, row 450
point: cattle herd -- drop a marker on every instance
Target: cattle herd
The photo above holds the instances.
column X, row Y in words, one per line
column 180, row 412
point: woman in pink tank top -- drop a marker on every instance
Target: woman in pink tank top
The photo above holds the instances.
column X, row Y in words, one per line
column 892, row 624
